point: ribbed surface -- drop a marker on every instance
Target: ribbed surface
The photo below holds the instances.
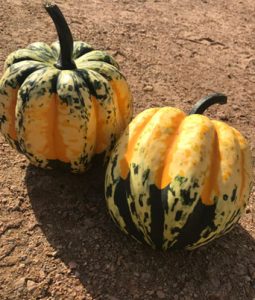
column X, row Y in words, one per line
column 63, row 116
column 176, row 181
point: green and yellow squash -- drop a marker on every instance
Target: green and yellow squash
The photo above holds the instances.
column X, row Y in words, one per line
column 62, row 104
column 177, row 181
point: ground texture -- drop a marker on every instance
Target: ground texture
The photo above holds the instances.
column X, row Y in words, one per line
column 56, row 238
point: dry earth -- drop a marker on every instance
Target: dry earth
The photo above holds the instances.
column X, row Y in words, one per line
column 57, row 240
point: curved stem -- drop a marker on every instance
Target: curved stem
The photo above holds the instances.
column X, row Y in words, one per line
column 65, row 61
column 208, row 101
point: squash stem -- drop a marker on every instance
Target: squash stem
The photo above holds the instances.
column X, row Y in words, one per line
column 208, row 101
column 65, row 61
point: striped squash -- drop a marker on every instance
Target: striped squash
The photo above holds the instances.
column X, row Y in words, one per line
column 62, row 104
column 177, row 181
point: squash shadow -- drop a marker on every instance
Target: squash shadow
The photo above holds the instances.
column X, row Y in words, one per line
column 72, row 214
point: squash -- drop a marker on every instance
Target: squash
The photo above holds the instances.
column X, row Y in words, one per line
column 175, row 181
column 62, row 104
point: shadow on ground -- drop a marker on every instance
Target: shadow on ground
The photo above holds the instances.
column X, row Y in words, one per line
column 73, row 216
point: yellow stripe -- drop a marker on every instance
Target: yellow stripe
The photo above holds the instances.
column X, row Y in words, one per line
column 136, row 133
column 245, row 161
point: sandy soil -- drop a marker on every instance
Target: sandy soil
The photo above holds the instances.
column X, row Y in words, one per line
column 56, row 238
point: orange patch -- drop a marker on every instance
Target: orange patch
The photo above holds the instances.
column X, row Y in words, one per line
column 55, row 148
column 121, row 99
column 211, row 180
column 101, row 139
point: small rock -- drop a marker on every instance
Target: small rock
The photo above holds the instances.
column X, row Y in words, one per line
column 215, row 282
column 148, row 88
column 72, row 265
column 23, row 257
column 112, row 298
column 13, row 188
column 32, row 226
column 76, row 274
column 247, row 278
column 214, row 296
column 150, row 293
column 223, row 117
column 53, row 254
column 136, row 296
column 241, row 269
column 145, row 276
column 42, row 274
column 161, row 294
column 20, row 282
column 227, row 287
column 31, row 285
column 252, row 271
column 119, row 260
column 188, row 101
column 15, row 206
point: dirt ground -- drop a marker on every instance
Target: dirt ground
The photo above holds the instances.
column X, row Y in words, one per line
column 56, row 238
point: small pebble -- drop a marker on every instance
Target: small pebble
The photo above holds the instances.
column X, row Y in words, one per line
column 148, row 88
column 76, row 274
column 160, row 294
column 20, row 282
column 224, row 118
column 31, row 285
column 72, row 265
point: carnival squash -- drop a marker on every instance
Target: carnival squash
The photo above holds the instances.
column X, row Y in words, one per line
column 177, row 181
column 62, row 104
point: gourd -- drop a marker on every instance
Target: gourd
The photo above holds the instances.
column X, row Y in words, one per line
column 177, row 181
column 60, row 105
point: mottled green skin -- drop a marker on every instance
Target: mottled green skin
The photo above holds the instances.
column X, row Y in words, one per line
column 33, row 73
column 207, row 179
column 199, row 228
